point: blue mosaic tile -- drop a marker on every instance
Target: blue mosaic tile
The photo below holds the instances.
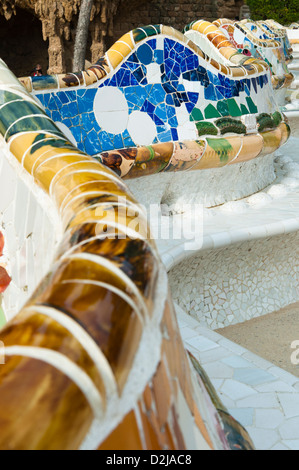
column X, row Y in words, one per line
column 173, row 122
column 210, row 93
column 165, row 136
column 159, row 56
column 174, row 134
column 118, row 142
column 253, row 81
column 145, row 54
column 63, row 97
column 77, row 133
column 190, row 106
column 157, row 120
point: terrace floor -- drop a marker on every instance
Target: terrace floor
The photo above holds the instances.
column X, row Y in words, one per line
column 250, row 364
column 264, row 398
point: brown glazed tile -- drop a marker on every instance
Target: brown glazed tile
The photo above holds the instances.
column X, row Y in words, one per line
column 163, row 393
column 108, row 318
column 153, row 419
column 126, row 436
column 72, row 183
column 179, row 368
column 133, row 257
column 151, row 160
column 201, row 426
column 75, row 205
column 150, row 435
column 124, row 221
column 148, row 397
column 86, row 163
column 174, row 352
column 177, row 430
column 41, row 408
column 91, row 186
column 48, row 170
column 38, row 330
column 168, row 438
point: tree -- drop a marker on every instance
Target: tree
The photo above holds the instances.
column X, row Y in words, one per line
column 82, row 35
column 284, row 12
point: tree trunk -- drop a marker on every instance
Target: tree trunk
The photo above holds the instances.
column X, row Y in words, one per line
column 82, row 35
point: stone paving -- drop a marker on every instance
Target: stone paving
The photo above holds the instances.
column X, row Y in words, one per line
column 261, row 396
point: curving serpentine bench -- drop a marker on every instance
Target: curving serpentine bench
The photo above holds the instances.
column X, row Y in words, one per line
column 110, row 372
column 245, row 35
column 95, row 351
column 156, row 104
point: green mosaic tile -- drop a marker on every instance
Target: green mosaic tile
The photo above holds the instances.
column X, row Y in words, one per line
column 196, row 115
column 230, row 125
column 206, row 128
column 244, row 109
column 16, row 110
column 223, row 108
column 7, row 97
column 233, row 108
column 222, row 147
column 277, row 118
column 265, row 121
column 211, row 112
column 252, row 107
column 141, row 33
column 33, row 124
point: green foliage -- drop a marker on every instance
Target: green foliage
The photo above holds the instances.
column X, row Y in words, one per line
column 283, row 11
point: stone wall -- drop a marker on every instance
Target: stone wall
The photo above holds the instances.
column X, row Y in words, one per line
column 176, row 13
column 49, row 26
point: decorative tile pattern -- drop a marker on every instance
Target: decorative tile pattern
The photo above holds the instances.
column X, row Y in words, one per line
column 155, row 88
column 255, row 40
column 96, row 348
column 269, row 410
column 246, row 252
column 82, row 360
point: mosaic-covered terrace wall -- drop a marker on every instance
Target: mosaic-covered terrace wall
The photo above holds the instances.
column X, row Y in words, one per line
column 270, row 29
column 248, row 37
column 96, row 349
column 170, row 106
column 94, row 359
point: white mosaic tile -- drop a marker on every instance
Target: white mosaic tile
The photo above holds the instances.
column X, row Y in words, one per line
column 30, row 234
column 268, row 418
column 202, row 344
column 263, row 439
column 253, row 376
column 236, row 390
column 111, row 110
column 260, row 400
column 289, row 403
column 292, row 444
column 290, row 429
column 219, row 370
column 141, row 128
column 245, row 416
column 279, row 447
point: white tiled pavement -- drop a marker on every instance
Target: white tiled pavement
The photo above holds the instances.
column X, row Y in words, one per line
column 273, row 211
column 260, row 395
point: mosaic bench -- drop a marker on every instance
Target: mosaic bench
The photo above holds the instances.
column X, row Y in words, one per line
column 155, row 104
column 93, row 359
column 291, row 108
column 106, row 372
column 259, row 42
